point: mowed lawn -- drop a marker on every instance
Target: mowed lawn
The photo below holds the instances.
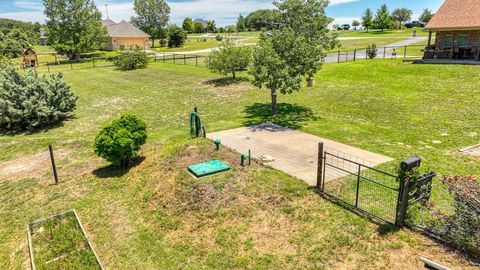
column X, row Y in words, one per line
column 156, row 216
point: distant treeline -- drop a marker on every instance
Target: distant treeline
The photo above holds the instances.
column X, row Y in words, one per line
column 16, row 36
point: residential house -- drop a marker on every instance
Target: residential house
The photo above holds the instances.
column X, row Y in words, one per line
column 457, row 31
column 203, row 22
column 124, row 34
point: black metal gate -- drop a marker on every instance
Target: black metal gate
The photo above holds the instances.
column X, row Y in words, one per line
column 358, row 184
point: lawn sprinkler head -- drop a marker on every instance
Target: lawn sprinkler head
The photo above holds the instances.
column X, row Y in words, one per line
column 217, row 144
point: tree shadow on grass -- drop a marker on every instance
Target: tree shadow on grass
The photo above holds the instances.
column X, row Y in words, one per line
column 289, row 115
column 227, row 81
column 14, row 132
column 113, row 171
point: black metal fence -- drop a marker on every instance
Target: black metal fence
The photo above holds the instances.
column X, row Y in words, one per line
column 359, row 185
column 98, row 62
column 385, row 52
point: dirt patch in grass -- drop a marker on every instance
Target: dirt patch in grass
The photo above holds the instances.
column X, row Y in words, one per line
column 29, row 166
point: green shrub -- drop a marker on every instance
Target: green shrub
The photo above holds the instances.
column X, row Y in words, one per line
column 372, row 51
column 219, row 38
column 131, row 59
column 229, row 58
column 29, row 101
column 176, row 36
column 120, row 141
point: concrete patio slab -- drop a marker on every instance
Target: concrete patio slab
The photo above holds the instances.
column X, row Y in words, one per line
column 293, row 152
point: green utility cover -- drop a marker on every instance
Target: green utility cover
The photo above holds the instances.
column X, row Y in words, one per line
column 208, row 168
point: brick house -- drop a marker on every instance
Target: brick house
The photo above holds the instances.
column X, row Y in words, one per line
column 124, row 34
column 457, row 31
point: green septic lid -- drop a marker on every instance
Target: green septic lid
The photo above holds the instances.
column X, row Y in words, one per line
column 208, row 168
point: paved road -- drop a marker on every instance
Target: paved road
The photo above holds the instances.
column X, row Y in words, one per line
column 333, row 57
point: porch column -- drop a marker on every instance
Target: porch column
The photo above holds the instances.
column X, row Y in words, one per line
column 429, row 38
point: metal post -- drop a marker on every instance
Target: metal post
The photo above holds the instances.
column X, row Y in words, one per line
column 358, row 184
column 173, row 58
column 354, row 55
column 163, row 57
column 48, row 67
column 71, row 66
column 338, row 57
column 346, row 56
column 384, row 52
column 320, row 166
column 249, row 157
column 184, row 59
column 94, row 62
column 405, row 54
column 196, row 60
column 197, row 124
column 52, row 158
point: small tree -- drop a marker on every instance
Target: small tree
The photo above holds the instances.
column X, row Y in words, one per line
column 401, row 15
column 383, row 19
column 241, row 26
column 275, row 63
column 74, row 28
column 367, row 19
column 211, row 26
column 426, row 16
column 355, row 24
column 120, row 141
column 176, row 36
column 188, row 25
column 372, row 51
column 198, row 27
column 229, row 58
column 130, row 59
column 151, row 17
column 30, row 101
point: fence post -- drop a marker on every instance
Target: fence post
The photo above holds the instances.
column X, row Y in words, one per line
column 54, row 167
column 354, row 55
column 94, row 62
column 405, row 54
column 173, row 58
column 163, row 57
column 184, row 59
column 346, row 56
column 48, row 67
column 358, row 184
column 404, row 189
column 320, row 166
column 384, row 52
column 71, row 65
column 196, row 60
column 338, row 57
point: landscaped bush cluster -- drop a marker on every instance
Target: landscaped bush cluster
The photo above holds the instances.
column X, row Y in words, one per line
column 176, row 36
column 120, row 141
column 29, row 101
column 219, row 38
column 462, row 229
column 130, row 59
column 372, row 51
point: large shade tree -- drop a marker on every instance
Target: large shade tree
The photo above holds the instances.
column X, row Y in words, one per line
column 426, row 16
column 401, row 15
column 383, row 19
column 151, row 17
column 284, row 57
column 367, row 19
column 74, row 26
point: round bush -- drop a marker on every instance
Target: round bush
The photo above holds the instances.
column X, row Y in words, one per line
column 120, row 141
column 131, row 59
column 29, row 101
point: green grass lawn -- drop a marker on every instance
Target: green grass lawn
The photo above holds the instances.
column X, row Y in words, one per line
column 157, row 216
column 361, row 44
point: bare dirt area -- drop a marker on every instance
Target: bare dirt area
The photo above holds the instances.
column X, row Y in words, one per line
column 32, row 166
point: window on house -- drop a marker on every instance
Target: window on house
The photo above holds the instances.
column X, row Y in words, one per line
column 462, row 41
column 448, row 41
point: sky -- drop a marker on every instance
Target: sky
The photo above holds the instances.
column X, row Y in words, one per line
column 224, row 12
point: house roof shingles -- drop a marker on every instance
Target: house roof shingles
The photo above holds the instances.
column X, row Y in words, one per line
column 123, row 29
column 456, row 14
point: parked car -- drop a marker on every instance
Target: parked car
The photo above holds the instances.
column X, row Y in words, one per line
column 344, row 27
column 415, row 24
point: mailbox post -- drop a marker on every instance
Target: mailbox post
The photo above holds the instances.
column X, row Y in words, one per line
column 403, row 195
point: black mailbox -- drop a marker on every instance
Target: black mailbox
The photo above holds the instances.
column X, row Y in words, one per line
column 410, row 163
